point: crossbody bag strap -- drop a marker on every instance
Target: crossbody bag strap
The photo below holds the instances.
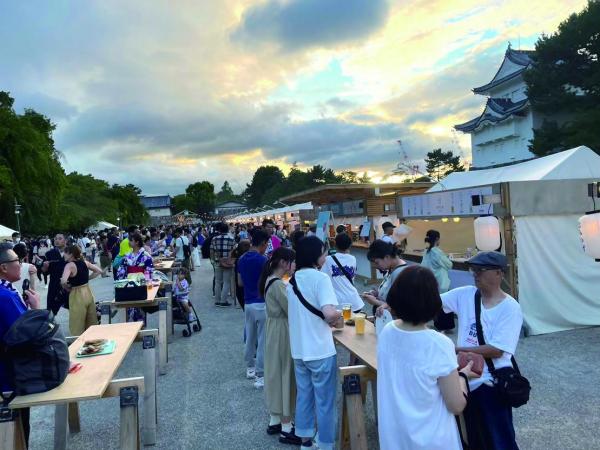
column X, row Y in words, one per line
column 343, row 269
column 271, row 281
column 307, row 305
column 480, row 338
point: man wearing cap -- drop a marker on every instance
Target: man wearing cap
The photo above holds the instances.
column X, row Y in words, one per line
column 489, row 421
column 388, row 231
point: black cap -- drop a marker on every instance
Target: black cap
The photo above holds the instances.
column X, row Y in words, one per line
column 489, row 259
column 387, row 225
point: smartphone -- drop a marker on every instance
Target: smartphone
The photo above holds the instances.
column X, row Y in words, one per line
column 25, row 288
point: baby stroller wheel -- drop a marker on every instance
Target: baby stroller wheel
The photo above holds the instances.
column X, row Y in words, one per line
column 185, row 333
column 196, row 327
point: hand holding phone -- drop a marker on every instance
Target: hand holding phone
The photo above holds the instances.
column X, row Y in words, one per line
column 25, row 288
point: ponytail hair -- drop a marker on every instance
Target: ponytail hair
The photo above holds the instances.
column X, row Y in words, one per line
column 430, row 238
column 281, row 254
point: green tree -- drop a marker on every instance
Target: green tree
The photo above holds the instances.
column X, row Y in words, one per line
column 565, row 79
column 182, row 202
column 263, row 179
column 226, row 193
column 128, row 204
column 440, row 164
column 202, row 196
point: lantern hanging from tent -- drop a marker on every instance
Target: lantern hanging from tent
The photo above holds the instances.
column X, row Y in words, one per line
column 487, row 233
column 589, row 228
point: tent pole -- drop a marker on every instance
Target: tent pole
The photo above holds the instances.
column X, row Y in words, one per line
column 509, row 243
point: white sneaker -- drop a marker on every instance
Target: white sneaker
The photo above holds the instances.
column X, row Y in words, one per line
column 259, row 383
column 250, row 373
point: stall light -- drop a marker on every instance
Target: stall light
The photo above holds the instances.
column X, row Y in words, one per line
column 456, row 219
column 487, row 233
column 589, row 229
column 444, row 219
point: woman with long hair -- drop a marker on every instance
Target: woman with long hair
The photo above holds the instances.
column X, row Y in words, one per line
column 438, row 262
column 75, row 279
column 311, row 314
column 280, row 384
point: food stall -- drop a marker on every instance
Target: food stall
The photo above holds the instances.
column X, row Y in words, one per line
column 538, row 204
column 354, row 205
column 288, row 217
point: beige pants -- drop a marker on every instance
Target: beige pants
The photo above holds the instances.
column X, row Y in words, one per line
column 82, row 309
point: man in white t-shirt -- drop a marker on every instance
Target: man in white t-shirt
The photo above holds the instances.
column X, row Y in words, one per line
column 180, row 240
column 341, row 276
column 489, row 421
column 388, row 232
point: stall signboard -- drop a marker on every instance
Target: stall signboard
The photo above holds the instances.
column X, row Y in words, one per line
column 365, row 232
column 446, row 203
column 323, row 221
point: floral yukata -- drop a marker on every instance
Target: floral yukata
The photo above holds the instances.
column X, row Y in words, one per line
column 139, row 262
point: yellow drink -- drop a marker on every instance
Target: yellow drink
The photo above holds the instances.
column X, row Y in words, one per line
column 347, row 311
column 359, row 322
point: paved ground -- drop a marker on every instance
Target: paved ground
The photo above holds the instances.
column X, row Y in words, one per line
column 205, row 402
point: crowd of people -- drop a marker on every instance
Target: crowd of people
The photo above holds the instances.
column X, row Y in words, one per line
column 291, row 289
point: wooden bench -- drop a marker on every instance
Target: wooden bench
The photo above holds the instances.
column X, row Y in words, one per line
column 92, row 382
column 164, row 311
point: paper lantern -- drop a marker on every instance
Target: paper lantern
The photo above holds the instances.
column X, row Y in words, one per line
column 487, row 233
column 589, row 228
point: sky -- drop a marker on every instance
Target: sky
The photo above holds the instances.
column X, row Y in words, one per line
column 162, row 94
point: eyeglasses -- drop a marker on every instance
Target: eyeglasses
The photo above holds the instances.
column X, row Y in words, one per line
column 12, row 260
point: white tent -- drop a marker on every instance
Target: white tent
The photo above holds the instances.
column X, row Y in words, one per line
column 558, row 285
column 102, row 225
column 577, row 163
column 6, row 233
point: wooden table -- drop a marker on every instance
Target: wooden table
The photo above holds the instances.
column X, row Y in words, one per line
column 164, row 307
column 354, row 379
column 164, row 266
column 95, row 381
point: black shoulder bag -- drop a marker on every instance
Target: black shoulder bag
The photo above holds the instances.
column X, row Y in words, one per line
column 346, row 274
column 307, row 305
column 271, row 281
column 513, row 388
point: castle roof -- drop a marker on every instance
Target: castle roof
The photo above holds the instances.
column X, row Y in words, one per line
column 514, row 64
column 496, row 110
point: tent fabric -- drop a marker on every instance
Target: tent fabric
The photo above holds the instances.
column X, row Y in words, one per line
column 270, row 212
column 577, row 163
column 101, row 226
column 559, row 286
column 6, row 232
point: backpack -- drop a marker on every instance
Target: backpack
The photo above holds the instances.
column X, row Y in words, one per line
column 35, row 353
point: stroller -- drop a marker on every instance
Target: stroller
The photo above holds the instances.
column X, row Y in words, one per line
column 180, row 317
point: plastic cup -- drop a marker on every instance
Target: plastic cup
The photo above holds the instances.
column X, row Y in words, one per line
column 347, row 311
column 359, row 322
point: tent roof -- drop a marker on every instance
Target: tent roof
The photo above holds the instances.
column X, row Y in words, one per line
column 102, row 225
column 577, row 163
column 6, row 232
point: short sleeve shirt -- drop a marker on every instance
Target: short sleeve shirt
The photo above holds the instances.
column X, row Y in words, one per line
column 12, row 307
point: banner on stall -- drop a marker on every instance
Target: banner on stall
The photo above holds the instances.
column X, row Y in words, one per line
column 323, row 221
column 365, row 232
column 446, row 203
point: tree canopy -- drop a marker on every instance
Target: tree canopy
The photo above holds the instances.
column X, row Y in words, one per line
column 32, row 176
column 440, row 164
column 565, row 80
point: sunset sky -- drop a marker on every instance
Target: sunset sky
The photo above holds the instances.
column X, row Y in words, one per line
column 162, row 94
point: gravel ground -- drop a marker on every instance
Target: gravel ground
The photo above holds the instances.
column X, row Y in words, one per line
column 205, row 402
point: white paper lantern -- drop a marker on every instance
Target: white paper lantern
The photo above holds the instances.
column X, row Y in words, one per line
column 487, row 233
column 589, row 227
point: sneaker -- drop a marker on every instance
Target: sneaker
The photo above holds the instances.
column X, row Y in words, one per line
column 290, row 438
column 251, row 373
column 274, row 429
column 223, row 304
column 259, row 383
column 309, row 444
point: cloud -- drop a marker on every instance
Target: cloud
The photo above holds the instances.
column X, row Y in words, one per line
column 299, row 24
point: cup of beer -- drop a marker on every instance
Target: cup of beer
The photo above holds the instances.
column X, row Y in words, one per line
column 359, row 322
column 347, row 311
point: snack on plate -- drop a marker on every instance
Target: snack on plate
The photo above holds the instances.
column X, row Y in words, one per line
column 350, row 322
column 94, row 342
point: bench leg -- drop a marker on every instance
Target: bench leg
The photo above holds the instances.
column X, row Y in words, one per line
column 73, row 413
column 12, row 436
column 170, row 325
column 353, row 408
column 60, row 426
column 129, row 430
column 162, row 337
column 150, row 404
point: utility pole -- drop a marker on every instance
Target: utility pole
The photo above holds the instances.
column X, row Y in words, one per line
column 18, row 213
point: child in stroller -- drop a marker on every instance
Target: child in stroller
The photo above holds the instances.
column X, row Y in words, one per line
column 183, row 310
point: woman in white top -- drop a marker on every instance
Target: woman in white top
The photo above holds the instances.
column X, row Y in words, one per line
column 386, row 258
column 419, row 389
column 28, row 271
column 311, row 313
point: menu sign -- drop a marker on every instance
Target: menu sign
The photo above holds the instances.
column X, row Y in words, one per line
column 446, row 203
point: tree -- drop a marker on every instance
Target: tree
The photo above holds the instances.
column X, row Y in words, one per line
column 128, row 204
column 226, row 193
column 182, row 202
column 263, row 179
column 202, row 196
column 565, row 79
column 440, row 164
